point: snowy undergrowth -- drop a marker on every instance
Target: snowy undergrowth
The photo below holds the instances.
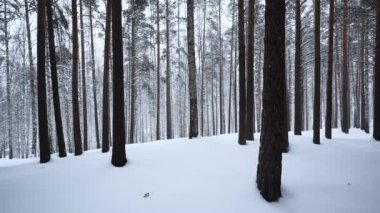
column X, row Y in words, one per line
column 211, row 174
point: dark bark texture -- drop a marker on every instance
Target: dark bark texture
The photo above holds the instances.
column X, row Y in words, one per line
column 376, row 120
column 328, row 121
column 242, row 90
column 250, row 71
column 317, row 73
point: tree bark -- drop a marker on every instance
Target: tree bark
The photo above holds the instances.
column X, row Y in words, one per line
column 54, row 80
column 376, row 117
column 298, row 74
column 317, row 73
column 42, row 107
column 250, row 72
column 328, row 121
column 169, row 132
column 193, row 132
column 119, row 158
column 345, row 73
column 242, row 89
column 133, row 81
column 76, row 118
column 221, row 75
column 273, row 133
column 158, row 72
column 106, row 112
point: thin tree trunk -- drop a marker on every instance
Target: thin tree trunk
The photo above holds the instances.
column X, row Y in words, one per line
column 158, row 72
column 221, row 75
column 169, row 132
column 250, row 72
column 328, row 121
column 345, row 73
column 42, row 107
column 54, row 80
column 94, row 86
column 231, row 66
column 133, row 80
column 203, row 67
column 317, row 73
column 242, row 89
column 84, row 91
column 106, row 114
column 75, row 101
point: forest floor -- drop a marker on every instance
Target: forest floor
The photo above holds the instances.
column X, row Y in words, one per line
column 211, row 174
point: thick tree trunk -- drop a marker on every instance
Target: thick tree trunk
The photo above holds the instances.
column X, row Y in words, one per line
column 250, row 71
column 298, row 74
column 242, row 89
column 329, row 88
column 273, row 133
column 54, row 80
column 169, row 132
column 8, row 76
column 94, row 86
column 42, row 107
column 317, row 72
column 376, row 117
column 193, row 132
column 119, row 158
column 345, row 73
column 75, row 101
column 106, row 112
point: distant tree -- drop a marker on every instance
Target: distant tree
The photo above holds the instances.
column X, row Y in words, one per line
column 106, row 70
column 376, row 120
column 317, row 72
column 169, row 133
column 54, row 80
column 76, row 118
column 250, row 71
column 119, row 158
column 221, row 72
column 229, row 129
column 298, row 73
column 42, row 107
column 242, row 90
column 328, row 121
column 273, row 132
column 345, row 74
column 158, row 137
column 192, row 71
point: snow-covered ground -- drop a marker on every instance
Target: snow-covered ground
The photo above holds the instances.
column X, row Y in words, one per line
column 212, row 174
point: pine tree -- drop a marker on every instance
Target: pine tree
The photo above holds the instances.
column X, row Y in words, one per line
column 273, row 133
column 328, row 121
column 119, row 158
column 54, row 80
column 106, row 70
column 41, row 77
column 317, row 72
column 345, row 74
column 242, row 91
column 298, row 74
column 76, row 118
column 192, row 71
column 250, row 71
column 158, row 72
column 376, row 119
column 169, row 133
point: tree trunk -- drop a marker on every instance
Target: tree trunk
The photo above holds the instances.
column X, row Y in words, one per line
column 298, row 74
column 169, row 133
column 76, row 117
column 84, row 91
column 221, row 77
column 231, row 66
column 133, row 80
column 94, row 86
column 345, row 74
column 317, row 73
column 42, row 107
column 242, row 91
column 328, row 121
column 54, row 80
column 376, row 117
column 106, row 112
column 158, row 73
column 119, row 158
column 203, row 67
column 193, row 132
column 273, row 133
column 250, row 72
column 32, row 83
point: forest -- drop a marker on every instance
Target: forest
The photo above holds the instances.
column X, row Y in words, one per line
column 84, row 75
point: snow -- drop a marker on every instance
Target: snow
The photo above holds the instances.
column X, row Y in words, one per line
column 211, row 174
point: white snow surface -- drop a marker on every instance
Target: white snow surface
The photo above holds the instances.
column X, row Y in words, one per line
column 211, row 174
